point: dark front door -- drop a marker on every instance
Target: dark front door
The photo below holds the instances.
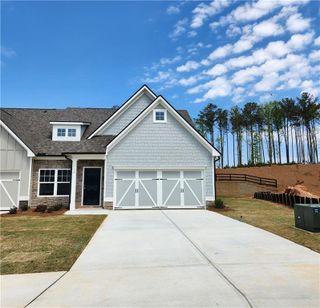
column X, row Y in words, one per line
column 91, row 186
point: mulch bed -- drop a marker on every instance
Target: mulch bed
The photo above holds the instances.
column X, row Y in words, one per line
column 225, row 209
column 31, row 212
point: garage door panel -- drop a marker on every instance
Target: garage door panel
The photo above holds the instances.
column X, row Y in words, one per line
column 193, row 192
column 9, row 189
column 125, row 192
column 148, row 193
column 5, row 200
column 171, row 193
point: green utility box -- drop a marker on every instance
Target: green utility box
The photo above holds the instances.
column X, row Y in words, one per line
column 307, row 217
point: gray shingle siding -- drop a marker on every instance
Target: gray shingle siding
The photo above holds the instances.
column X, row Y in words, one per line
column 126, row 117
column 159, row 145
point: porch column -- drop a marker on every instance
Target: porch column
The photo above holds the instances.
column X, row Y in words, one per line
column 73, row 184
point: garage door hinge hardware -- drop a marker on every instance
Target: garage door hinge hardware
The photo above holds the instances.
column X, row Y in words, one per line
column 182, row 190
column 136, row 190
column 118, row 179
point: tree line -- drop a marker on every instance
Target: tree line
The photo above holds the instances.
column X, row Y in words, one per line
column 275, row 132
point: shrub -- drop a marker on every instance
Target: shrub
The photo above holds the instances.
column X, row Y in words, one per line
column 13, row 210
column 57, row 207
column 50, row 208
column 23, row 206
column 41, row 208
column 219, row 204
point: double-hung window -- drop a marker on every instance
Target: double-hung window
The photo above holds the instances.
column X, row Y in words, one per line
column 54, row 182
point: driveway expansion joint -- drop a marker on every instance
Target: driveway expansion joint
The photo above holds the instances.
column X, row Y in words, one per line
column 210, row 262
column 46, row 289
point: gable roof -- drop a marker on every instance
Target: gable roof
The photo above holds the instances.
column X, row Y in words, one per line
column 160, row 99
column 144, row 89
column 33, row 128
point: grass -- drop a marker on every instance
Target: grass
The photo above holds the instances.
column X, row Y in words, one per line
column 271, row 217
column 41, row 244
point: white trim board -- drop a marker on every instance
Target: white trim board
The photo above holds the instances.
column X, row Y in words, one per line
column 125, row 106
column 175, row 114
column 29, row 151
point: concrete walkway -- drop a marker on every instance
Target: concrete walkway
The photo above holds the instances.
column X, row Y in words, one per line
column 186, row 258
column 88, row 211
column 19, row 290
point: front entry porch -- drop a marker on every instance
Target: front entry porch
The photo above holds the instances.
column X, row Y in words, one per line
column 87, row 181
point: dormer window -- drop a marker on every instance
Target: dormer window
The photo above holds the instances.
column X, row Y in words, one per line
column 68, row 131
column 61, row 132
column 160, row 116
column 72, row 132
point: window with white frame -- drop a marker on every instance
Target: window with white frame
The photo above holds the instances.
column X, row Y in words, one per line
column 159, row 115
column 54, row 182
column 72, row 132
column 61, row 132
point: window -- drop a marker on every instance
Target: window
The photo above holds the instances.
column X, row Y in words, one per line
column 160, row 115
column 72, row 132
column 54, row 182
column 61, row 132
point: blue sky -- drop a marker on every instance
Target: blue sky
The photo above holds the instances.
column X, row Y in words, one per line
column 96, row 54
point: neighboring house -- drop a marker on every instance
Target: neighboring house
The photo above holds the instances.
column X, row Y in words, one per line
column 145, row 154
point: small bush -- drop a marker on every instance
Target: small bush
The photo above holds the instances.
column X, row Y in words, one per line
column 13, row 210
column 50, row 208
column 219, row 204
column 57, row 207
column 23, row 207
column 41, row 208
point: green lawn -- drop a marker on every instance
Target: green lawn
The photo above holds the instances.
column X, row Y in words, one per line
column 41, row 244
column 269, row 216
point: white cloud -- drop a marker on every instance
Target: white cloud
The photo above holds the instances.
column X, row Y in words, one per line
column 173, row 10
column 232, row 30
column 179, row 28
column 189, row 66
column 254, row 10
column 217, row 70
column 299, row 41
column 188, row 81
column 242, row 45
column 317, row 41
column 192, row 33
column 161, row 76
column 267, row 28
column 221, row 52
column 296, row 23
column 218, row 87
column 203, row 11
column 314, row 56
column 267, row 83
column 246, row 75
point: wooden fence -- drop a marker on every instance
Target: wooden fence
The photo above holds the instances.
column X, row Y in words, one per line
column 233, row 177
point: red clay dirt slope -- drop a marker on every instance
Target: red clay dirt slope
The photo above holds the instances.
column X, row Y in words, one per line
column 286, row 175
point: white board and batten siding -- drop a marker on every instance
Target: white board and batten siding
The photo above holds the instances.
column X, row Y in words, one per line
column 161, row 147
column 15, row 168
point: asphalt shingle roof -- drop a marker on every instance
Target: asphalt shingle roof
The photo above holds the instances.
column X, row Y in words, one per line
column 33, row 127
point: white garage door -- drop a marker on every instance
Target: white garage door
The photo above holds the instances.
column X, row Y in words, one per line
column 162, row 189
column 9, row 189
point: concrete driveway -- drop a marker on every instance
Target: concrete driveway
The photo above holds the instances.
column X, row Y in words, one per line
column 186, row 258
